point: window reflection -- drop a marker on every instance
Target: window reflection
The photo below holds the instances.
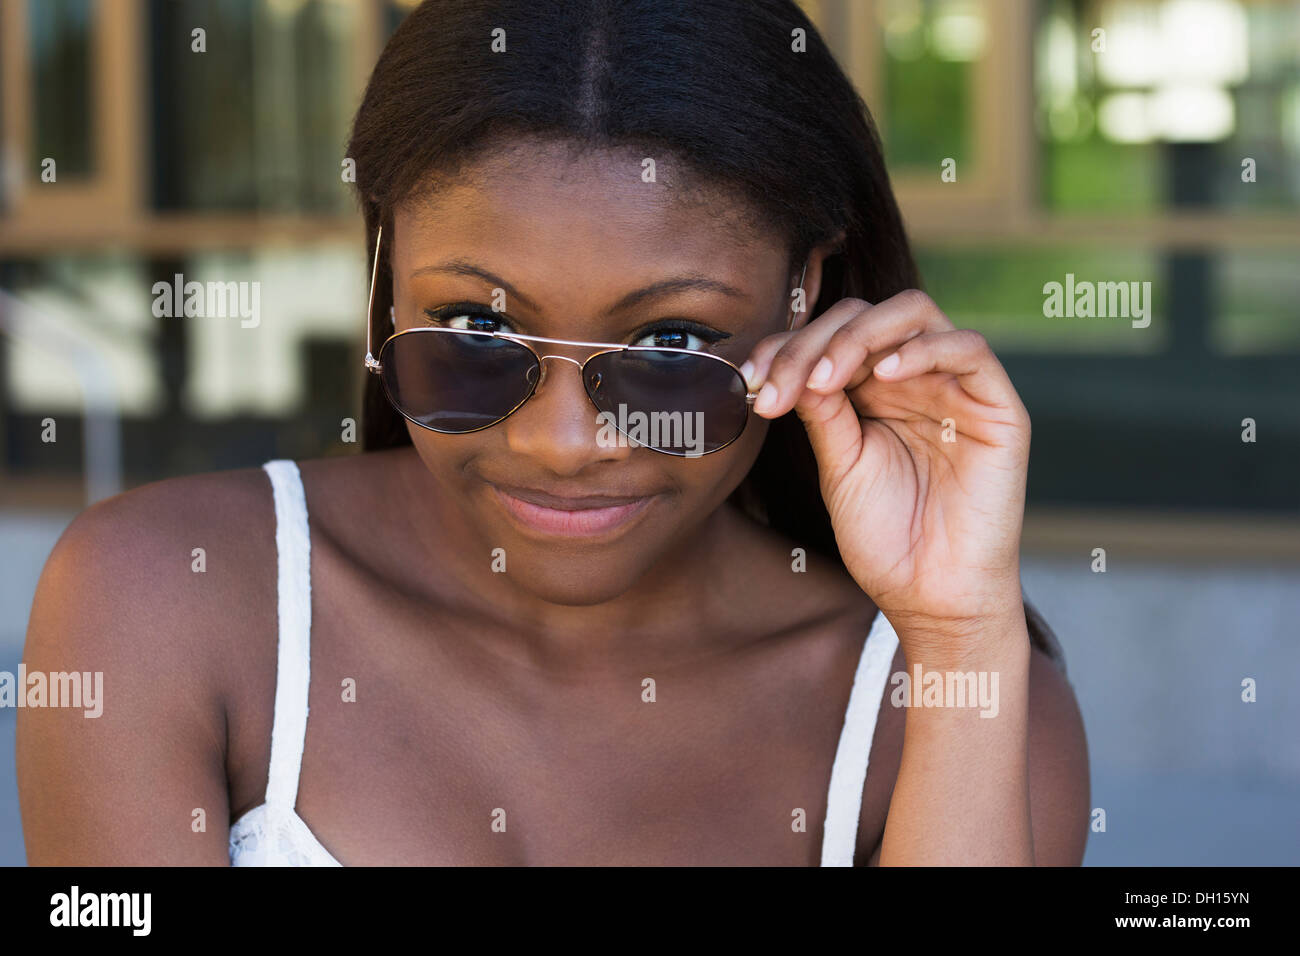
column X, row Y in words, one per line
column 260, row 124
column 929, row 47
column 1121, row 84
column 60, row 49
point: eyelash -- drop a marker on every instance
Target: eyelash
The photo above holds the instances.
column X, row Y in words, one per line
column 709, row 335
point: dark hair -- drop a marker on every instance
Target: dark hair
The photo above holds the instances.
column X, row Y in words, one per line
column 717, row 86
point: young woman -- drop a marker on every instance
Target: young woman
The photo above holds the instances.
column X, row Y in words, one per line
column 580, row 603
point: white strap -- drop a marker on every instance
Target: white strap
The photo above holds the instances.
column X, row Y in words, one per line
column 849, row 772
column 293, row 663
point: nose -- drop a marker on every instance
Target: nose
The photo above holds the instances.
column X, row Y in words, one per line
column 557, row 427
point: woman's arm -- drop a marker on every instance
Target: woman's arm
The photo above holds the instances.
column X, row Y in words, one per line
column 119, row 603
column 922, row 449
column 1026, row 768
column 960, row 770
column 1059, row 798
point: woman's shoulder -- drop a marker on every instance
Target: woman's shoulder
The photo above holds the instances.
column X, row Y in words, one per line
column 172, row 575
column 156, row 508
column 193, row 554
column 162, row 533
column 165, row 596
column 218, row 524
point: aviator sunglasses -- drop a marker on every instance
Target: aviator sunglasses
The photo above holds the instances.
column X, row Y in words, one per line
column 457, row 381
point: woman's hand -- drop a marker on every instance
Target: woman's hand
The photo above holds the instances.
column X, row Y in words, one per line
column 922, row 447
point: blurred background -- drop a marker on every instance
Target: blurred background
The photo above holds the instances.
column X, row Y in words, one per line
column 1112, row 140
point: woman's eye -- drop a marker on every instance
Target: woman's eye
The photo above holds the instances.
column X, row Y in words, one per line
column 475, row 323
column 672, row 338
column 468, row 321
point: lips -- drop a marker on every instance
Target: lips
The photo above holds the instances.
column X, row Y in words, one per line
column 569, row 516
column 569, row 502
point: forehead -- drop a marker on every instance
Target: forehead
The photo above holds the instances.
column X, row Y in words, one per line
column 547, row 210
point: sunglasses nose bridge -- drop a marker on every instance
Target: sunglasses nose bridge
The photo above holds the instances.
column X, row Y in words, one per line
column 541, row 362
column 562, row 358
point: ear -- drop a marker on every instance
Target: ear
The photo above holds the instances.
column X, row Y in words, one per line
column 813, row 275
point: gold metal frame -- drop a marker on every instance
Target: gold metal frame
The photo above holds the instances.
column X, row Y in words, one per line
column 603, row 348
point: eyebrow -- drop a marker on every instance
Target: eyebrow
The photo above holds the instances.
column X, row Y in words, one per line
column 664, row 287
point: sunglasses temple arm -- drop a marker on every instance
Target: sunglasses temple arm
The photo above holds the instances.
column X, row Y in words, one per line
column 371, row 363
column 794, row 315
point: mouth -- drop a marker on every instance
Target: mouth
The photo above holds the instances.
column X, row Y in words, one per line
column 549, row 514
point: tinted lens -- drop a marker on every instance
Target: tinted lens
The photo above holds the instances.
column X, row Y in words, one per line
column 456, row 381
column 682, row 403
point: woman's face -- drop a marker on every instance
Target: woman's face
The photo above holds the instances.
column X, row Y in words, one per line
column 567, row 239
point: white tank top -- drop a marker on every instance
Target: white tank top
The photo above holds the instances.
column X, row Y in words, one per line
column 272, row 834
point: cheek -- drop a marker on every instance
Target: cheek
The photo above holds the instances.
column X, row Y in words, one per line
column 713, row 477
column 444, row 455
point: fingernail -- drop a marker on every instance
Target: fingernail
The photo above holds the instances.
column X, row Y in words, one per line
column 888, row 364
column 747, row 373
column 821, row 373
column 766, row 400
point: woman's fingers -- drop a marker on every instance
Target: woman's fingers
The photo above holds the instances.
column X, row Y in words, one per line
column 800, row 346
column 834, row 431
column 857, row 346
column 831, row 353
column 816, row 369
column 963, row 353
